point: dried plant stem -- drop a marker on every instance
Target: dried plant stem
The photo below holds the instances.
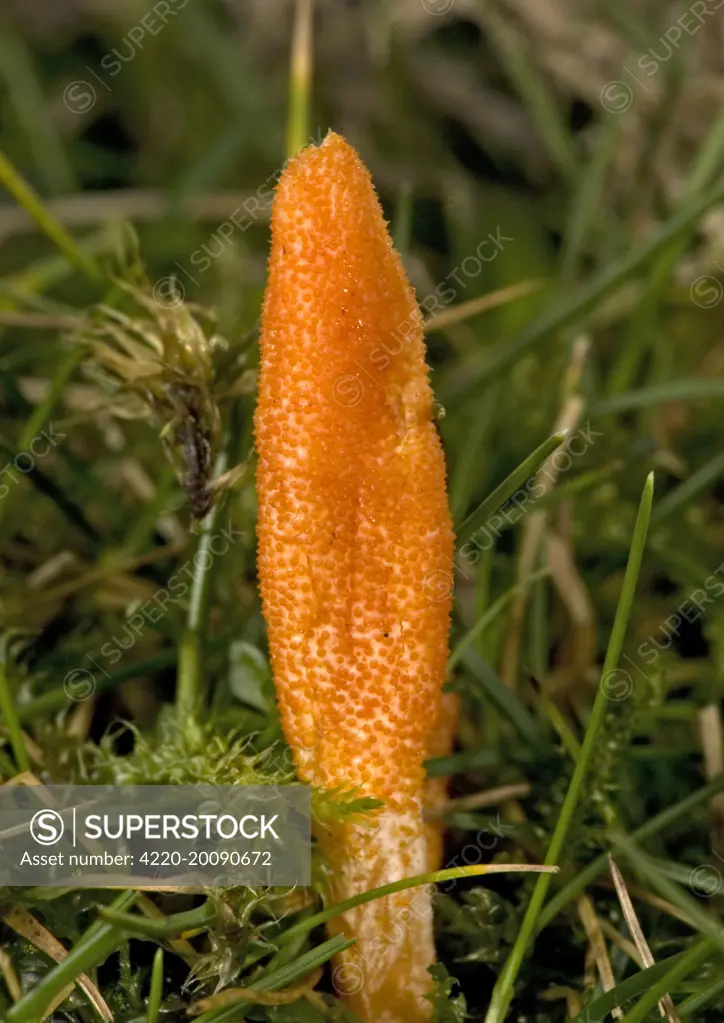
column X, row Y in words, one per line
column 93, row 947
column 25, row 924
column 710, row 730
column 11, row 978
column 490, row 797
column 666, row 1006
column 597, row 943
column 475, row 306
column 534, row 527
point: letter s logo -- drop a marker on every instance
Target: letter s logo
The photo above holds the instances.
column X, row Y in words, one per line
column 47, row 827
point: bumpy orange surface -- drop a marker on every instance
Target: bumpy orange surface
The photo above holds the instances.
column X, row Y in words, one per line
column 441, row 741
column 355, row 550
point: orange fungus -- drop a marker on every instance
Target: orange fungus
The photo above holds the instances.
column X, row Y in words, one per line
column 355, row 554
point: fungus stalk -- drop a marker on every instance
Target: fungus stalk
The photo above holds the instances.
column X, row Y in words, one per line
column 355, row 555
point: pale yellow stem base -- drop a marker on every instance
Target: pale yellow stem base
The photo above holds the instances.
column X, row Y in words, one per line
column 384, row 977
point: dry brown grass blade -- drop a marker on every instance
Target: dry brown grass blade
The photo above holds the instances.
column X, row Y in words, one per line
column 574, row 595
column 88, row 209
column 38, row 321
column 477, row 800
column 666, row 1006
column 25, row 924
column 466, row 310
column 656, row 901
column 80, row 719
column 710, row 731
column 248, row 994
column 619, row 941
column 34, row 751
column 105, row 572
column 572, row 997
column 592, row 927
column 11, row 978
column 25, row 778
column 231, row 478
column 535, row 523
column 57, row 1001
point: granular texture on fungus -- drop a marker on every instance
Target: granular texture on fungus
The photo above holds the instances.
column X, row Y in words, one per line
column 355, row 552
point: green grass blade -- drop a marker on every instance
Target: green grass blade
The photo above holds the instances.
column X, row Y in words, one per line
column 708, row 160
column 654, row 826
column 468, row 380
column 45, row 484
column 649, row 871
column 56, row 699
column 458, row 763
column 281, row 978
column 12, row 722
column 682, row 495
column 298, row 127
column 688, row 963
column 190, row 693
column 504, row 988
column 161, row 927
column 99, row 941
column 579, row 484
column 510, row 484
column 434, row 877
column 487, row 619
column 40, row 275
column 630, row 988
column 470, row 465
column 20, row 190
column 504, row 698
column 43, row 412
column 695, row 1002
column 156, row 991
column 647, row 315
column 687, row 389
column 587, row 199
column 35, row 115
column 538, row 99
